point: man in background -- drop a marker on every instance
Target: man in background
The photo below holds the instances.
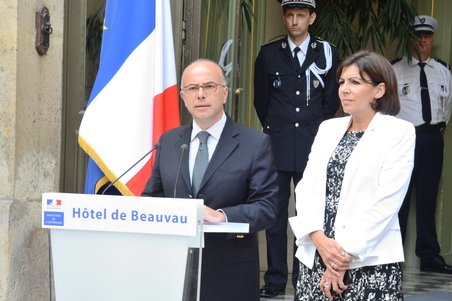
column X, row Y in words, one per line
column 425, row 95
column 295, row 89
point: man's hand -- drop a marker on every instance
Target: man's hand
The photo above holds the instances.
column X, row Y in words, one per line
column 213, row 216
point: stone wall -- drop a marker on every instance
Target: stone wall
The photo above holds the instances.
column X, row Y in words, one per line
column 30, row 139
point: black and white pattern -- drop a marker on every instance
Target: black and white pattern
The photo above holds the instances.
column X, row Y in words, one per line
column 381, row 282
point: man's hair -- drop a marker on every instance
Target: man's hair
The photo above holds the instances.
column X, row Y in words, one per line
column 378, row 69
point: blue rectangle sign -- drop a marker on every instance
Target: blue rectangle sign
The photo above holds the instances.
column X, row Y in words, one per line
column 52, row 218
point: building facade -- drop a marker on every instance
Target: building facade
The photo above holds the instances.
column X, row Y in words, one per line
column 42, row 99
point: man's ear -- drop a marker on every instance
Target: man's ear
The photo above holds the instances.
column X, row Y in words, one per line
column 312, row 18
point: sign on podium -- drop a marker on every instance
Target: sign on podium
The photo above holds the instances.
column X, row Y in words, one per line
column 125, row 248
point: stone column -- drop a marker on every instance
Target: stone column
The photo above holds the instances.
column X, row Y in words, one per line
column 30, row 142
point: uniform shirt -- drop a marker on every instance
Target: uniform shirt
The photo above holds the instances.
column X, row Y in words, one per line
column 303, row 48
column 409, row 88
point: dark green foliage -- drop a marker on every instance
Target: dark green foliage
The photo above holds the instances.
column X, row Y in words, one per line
column 352, row 25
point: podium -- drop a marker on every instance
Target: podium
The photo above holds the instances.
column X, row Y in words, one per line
column 125, row 248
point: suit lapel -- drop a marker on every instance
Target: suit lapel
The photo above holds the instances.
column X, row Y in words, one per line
column 226, row 145
column 311, row 55
column 285, row 54
column 362, row 148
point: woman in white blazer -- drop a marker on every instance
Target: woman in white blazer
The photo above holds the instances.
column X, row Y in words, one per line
column 347, row 229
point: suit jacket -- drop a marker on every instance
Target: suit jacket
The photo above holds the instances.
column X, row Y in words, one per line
column 286, row 114
column 375, row 182
column 241, row 180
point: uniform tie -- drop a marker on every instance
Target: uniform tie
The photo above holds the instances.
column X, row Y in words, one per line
column 425, row 96
column 295, row 58
column 201, row 162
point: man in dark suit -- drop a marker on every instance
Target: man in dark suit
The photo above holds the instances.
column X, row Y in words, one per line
column 295, row 90
column 239, row 183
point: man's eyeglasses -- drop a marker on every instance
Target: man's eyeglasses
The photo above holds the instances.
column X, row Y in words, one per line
column 207, row 88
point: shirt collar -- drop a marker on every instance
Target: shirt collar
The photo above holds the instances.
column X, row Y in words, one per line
column 303, row 46
column 214, row 131
column 415, row 61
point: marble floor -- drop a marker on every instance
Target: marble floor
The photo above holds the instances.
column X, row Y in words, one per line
column 414, row 282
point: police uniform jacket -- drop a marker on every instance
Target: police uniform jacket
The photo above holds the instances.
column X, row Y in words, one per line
column 439, row 86
column 292, row 103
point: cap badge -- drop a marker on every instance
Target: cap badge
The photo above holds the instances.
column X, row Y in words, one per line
column 422, row 20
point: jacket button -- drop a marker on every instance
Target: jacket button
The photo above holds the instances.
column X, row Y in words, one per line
column 297, row 109
column 296, row 125
column 298, row 92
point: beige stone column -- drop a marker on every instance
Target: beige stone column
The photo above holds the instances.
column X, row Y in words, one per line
column 30, row 139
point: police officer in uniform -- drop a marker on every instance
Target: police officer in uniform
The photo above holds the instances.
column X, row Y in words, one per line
column 295, row 89
column 425, row 95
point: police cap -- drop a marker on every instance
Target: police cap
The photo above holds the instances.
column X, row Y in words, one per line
column 298, row 4
column 425, row 24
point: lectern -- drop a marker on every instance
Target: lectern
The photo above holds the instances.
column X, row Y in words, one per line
column 124, row 248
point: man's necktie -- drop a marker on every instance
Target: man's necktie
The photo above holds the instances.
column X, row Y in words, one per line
column 201, row 162
column 425, row 96
column 295, row 58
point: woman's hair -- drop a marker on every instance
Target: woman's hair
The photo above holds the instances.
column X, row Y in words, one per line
column 378, row 70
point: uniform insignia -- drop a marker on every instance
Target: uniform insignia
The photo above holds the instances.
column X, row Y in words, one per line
column 396, row 60
column 313, row 45
column 422, row 20
column 406, row 90
column 277, row 83
column 315, row 83
column 284, row 45
column 442, row 62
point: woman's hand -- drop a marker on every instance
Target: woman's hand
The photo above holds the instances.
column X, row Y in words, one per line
column 333, row 255
column 330, row 282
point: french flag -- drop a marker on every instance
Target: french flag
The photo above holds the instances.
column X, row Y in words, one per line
column 135, row 96
column 54, row 202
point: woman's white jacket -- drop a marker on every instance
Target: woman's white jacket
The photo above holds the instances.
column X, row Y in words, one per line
column 375, row 182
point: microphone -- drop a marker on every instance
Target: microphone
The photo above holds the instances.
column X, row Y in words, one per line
column 156, row 146
column 183, row 148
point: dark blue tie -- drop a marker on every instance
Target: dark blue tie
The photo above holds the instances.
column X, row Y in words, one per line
column 201, row 162
column 425, row 96
column 295, row 58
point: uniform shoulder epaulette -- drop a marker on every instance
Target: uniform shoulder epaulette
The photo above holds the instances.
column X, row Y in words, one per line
column 396, row 60
column 322, row 40
column 275, row 40
column 442, row 62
